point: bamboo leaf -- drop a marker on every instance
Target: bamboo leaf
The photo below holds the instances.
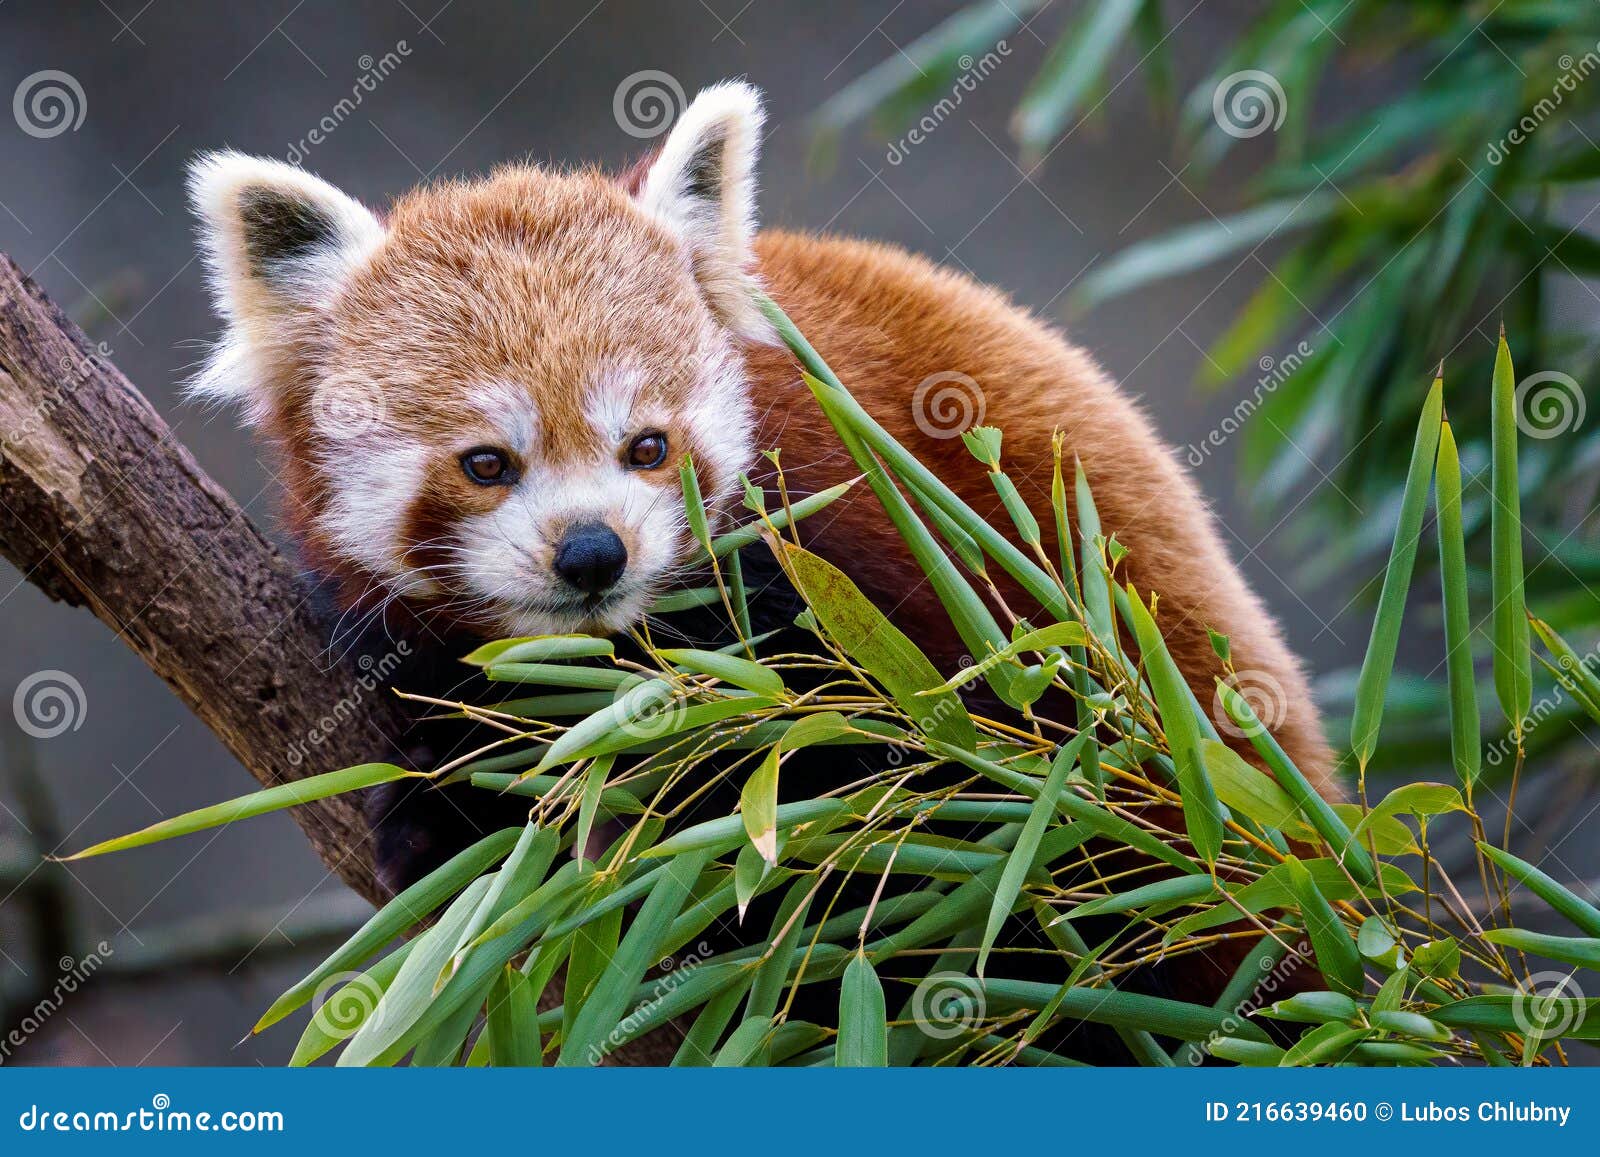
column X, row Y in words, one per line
column 405, row 909
column 1163, row 895
column 1500, row 1012
column 1074, row 66
column 1202, row 812
column 1055, row 635
column 1247, row 790
column 1315, row 1008
column 1583, row 951
column 1579, row 911
column 744, row 673
column 1027, row 845
column 513, row 1022
column 1337, row 957
column 259, row 803
column 410, row 995
column 539, row 649
column 1513, row 663
column 1466, row 747
column 347, row 1007
column 863, row 1018
column 588, row 1041
column 878, row 645
column 758, row 802
column 1373, row 682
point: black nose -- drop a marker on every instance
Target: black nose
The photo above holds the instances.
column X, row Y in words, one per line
column 591, row 557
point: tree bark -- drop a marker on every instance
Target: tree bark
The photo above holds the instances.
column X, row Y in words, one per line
column 101, row 507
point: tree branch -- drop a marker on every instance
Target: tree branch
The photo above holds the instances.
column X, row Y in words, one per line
column 101, row 507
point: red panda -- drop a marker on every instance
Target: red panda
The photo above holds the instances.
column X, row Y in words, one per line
column 481, row 398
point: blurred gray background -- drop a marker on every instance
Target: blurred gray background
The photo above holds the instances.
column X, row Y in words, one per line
column 97, row 216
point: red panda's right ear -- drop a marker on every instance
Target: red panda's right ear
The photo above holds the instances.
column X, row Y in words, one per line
column 702, row 185
column 279, row 244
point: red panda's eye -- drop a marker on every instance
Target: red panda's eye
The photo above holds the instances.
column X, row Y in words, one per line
column 488, row 467
column 648, row 451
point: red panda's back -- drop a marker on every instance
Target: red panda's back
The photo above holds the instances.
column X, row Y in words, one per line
column 928, row 352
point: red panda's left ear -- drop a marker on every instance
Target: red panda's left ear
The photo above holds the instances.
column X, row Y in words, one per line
column 703, row 186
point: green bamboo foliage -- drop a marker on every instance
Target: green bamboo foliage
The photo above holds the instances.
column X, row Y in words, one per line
column 1376, row 668
column 1465, row 744
column 1513, row 674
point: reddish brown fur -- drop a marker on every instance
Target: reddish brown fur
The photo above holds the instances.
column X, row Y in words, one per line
column 885, row 320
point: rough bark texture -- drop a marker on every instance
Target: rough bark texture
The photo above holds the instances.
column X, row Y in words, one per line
column 101, row 507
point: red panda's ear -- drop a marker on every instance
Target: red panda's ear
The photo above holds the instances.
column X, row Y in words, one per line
column 703, row 186
column 279, row 243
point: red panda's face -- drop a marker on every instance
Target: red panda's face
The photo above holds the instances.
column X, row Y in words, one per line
column 485, row 400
